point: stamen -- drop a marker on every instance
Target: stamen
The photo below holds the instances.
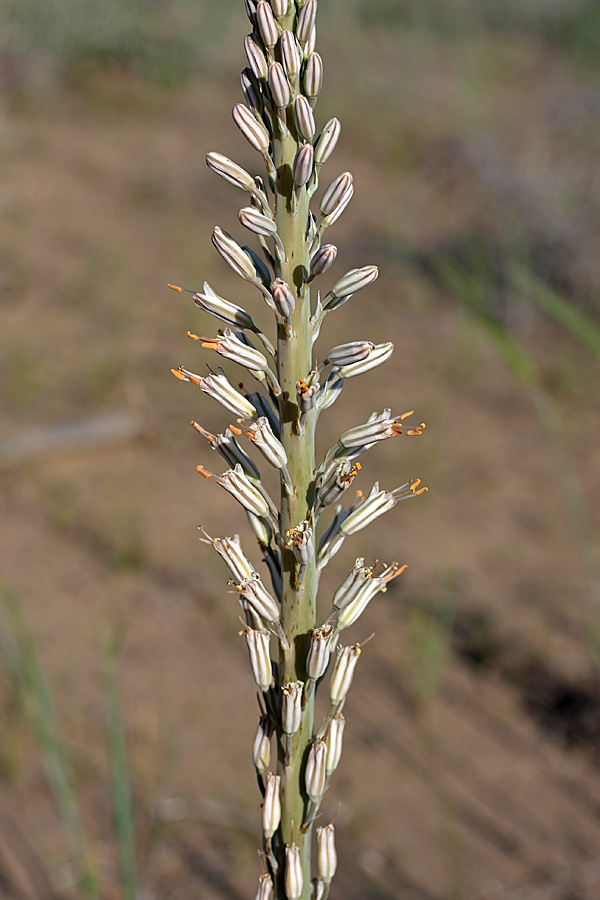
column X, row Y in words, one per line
column 178, row 374
column 202, row 471
column 194, row 337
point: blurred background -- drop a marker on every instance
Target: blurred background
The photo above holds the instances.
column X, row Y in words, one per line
column 470, row 769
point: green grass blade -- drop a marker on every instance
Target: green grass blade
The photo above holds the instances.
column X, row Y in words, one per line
column 121, row 787
column 572, row 319
column 36, row 694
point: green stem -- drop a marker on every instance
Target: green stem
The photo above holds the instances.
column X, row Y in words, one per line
column 298, row 615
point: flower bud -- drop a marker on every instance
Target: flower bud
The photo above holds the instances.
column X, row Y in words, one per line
column 343, row 672
column 322, row 260
column 261, row 528
column 271, row 814
column 233, row 254
column 335, row 733
column 346, row 354
column 236, row 483
column 291, row 707
column 336, row 193
column 311, row 43
column 230, row 171
column 313, row 76
column 327, row 141
column 293, row 880
column 305, row 120
column 290, row 54
column 283, row 298
column 279, row 85
column 280, row 7
column 227, row 312
column 267, row 25
column 261, row 749
column 303, row 165
column 256, row 222
column 251, row 90
column 353, row 281
column 254, row 131
column 318, row 889
column 260, row 659
column 319, row 652
column 315, row 777
column 265, row 888
column 327, row 857
column 230, row 550
column 379, row 353
column 335, row 214
column 306, row 20
column 256, row 58
column 251, row 10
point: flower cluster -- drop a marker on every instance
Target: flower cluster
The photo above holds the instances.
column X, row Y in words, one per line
column 291, row 650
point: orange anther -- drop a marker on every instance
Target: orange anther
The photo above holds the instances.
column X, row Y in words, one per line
column 201, row 471
column 359, row 493
column 190, row 334
column 174, row 287
column 210, row 343
column 235, row 429
column 358, row 467
column 415, row 485
column 407, row 414
column 178, row 374
column 422, row 490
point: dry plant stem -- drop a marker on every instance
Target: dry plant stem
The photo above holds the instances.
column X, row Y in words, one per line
column 298, row 607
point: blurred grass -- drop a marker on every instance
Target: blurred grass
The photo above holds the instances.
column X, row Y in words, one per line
column 21, row 658
column 167, row 43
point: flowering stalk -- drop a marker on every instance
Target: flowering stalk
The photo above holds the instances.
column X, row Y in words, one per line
column 291, row 648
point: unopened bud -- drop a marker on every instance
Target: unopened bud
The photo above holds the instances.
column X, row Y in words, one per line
column 318, row 889
column 305, row 120
column 313, row 76
column 280, row 88
column 311, row 43
column 293, row 880
column 291, row 707
column 290, row 54
column 265, row 888
column 327, row 857
column 379, row 354
column 251, row 10
column 233, row 254
column 353, row 281
column 271, row 815
column 319, row 652
column 335, row 214
column 261, row 749
column 335, row 733
column 335, row 193
column 346, row 354
column 251, row 90
column 323, row 260
column 315, row 777
column 283, row 298
column 327, row 141
column 256, row 222
column 254, row 131
column 267, row 25
column 303, row 165
column 280, row 7
column 230, row 171
column 260, row 659
column 306, row 20
column 343, row 672
column 256, row 58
